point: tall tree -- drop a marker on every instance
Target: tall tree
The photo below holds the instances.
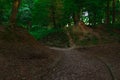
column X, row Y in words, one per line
column 113, row 11
column 76, row 17
column 15, row 7
column 53, row 15
column 108, row 12
column 79, row 5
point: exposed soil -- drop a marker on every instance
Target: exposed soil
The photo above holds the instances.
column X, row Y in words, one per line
column 23, row 58
column 75, row 65
column 109, row 54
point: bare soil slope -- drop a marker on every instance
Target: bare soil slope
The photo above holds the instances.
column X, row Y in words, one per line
column 22, row 57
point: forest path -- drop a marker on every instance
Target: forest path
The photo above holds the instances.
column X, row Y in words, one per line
column 75, row 65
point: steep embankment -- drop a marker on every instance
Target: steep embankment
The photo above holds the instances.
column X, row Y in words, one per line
column 21, row 56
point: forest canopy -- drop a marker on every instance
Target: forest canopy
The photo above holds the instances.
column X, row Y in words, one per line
column 58, row 13
column 45, row 18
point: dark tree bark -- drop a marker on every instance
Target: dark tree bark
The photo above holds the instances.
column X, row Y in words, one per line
column 114, row 11
column 108, row 12
column 16, row 4
column 94, row 18
column 53, row 16
column 76, row 18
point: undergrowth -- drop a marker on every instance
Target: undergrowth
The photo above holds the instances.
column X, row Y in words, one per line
column 51, row 36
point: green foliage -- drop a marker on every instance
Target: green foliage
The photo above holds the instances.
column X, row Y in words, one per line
column 41, row 32
column 41, row 12
column 5, row 8
column 56, row 38
column 51, row 36
column 25, row 14
column 40, row 16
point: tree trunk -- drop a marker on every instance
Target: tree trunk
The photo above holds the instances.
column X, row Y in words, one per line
column 14, row 12
column 90, row 19
column 53, row 16
column 76, row 18
column 108, row 12
column 94, row 18
column 114, row 11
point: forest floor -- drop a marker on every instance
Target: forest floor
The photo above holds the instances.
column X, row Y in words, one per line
column 23, row 58
column 88, row 63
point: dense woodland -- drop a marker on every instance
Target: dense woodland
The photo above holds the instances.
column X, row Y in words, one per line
column 58, row 13
column 59, row 39
column 46, row 19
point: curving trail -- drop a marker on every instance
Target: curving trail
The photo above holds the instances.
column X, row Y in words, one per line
column 93, row 63
column 75, row 65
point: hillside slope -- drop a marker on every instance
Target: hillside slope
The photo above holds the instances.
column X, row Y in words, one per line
column 21, row 54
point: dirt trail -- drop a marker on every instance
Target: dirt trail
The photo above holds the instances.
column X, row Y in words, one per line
column 71, row 64
column 75, row 65
column 108, row 54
